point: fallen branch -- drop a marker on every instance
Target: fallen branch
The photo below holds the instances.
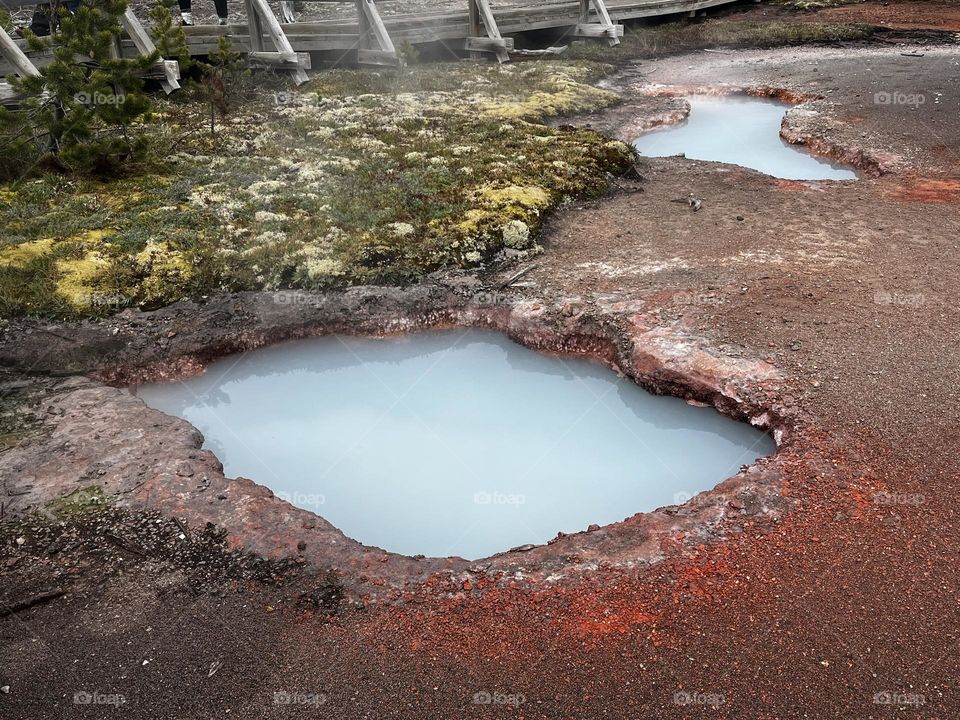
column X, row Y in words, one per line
column 30, row 602
column 125, row 544
column 517, row 276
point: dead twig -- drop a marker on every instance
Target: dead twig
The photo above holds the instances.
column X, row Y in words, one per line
column 124, row 544
column 516, row 276
column 30, row 602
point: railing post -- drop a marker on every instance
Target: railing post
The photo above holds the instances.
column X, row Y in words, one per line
column 604, row 28
column 482, row 18
column 376, row 47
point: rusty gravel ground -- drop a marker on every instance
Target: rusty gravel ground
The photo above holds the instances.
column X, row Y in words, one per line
column 849, row 290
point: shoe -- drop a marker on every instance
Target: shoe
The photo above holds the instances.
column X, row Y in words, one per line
column 186, row 18
column 222, row 21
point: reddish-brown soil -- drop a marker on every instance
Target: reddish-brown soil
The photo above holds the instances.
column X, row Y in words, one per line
column 844, row 605
column 902, row 16
column 934, row 15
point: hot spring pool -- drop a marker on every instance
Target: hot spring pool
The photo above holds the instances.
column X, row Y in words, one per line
column 453, row 443
column 741, row 131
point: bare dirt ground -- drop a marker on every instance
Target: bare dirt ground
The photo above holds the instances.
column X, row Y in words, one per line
column 846, row 606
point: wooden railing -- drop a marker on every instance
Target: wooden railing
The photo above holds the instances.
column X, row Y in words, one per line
column 477, row 28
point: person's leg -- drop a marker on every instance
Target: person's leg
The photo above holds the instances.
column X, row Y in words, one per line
column 222, row 12
column 186, row 16
column 40, row 24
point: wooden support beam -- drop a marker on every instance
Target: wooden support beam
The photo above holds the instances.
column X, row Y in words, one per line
column 604, row 28
column 481, row 14
column 15, row 56
column 489, row 45
column 377, row 57
column 596, row 30
column 144, row 43
column 255, row 27
column 374, row 37
column 280, row 60
column 262, row 19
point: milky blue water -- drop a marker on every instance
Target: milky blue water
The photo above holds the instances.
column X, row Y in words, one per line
column 741, row 131
column 453, row 443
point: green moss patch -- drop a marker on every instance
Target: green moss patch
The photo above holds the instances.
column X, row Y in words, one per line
column 358, row 177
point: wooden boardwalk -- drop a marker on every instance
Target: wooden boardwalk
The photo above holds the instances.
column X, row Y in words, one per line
column 477, row 28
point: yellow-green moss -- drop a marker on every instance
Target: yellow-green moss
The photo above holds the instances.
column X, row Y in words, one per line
column 78, row 281
column 20, row 255
column 528, row 197
column 165, row 272
column 360, row 176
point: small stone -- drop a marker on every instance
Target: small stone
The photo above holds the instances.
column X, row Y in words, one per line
column 523, row 548
column 5, row 689
column 739, row 218
column 301, row 546
column 593, row 528
column 21, row 541
column 171, row 334
column 736, row 504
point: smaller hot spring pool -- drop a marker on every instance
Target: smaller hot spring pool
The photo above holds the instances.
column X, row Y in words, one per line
column 741, row 131
column 453, row 443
